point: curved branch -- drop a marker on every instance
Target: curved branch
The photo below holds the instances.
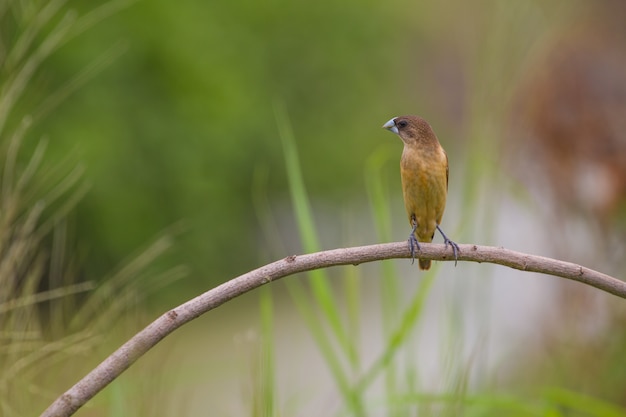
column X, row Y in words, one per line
column 143, row 341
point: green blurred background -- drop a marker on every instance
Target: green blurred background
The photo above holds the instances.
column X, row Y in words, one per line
column 179, row 118
column 173, row 110
column 176, row 126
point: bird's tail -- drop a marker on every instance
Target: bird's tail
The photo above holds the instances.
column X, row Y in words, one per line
column 424, row 264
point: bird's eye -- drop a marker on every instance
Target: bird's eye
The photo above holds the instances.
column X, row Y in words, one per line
column 402, row 124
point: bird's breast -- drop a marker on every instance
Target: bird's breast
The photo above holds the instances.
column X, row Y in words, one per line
column 424, row 186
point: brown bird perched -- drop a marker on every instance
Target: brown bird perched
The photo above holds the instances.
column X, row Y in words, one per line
column 424, row 172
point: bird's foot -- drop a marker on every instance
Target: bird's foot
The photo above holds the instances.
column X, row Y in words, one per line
column 446, row 241
column 413, row 243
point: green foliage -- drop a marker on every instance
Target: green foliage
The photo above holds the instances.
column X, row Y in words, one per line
column 186, row 110
column 175, row 126
column 336, row 331
column 319, row 280
column 51, row 316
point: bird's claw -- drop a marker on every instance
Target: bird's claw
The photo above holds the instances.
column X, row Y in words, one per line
column 446, row 241
column 455, row 248
column 413, row 243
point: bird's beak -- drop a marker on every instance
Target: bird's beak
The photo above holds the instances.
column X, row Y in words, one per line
column 391, row 126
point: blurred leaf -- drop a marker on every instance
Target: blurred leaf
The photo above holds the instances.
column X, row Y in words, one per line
column 582, row 403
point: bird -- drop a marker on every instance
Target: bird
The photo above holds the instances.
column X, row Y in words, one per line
column 424, row 174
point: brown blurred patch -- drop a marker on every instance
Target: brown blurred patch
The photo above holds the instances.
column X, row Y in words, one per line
column 568, row 141
column 569, row 119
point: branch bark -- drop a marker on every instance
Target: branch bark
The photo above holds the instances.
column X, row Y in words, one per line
column 138, row 345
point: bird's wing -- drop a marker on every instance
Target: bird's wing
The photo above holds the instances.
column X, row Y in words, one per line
column 447, row 169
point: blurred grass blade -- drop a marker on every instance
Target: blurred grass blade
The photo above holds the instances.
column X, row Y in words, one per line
column 15, row 85
column 10, row 160
column 319, row 280
column 299, row 295
column 98, row 14
column 400, row 335
column 34, row 298
column 23, row 64
column 25, row 41
column 118, row 291
column 389, row 283
column 581, row 403
column 478, row 405
column 297, row 189
column 320, row 285
column 315, row 325
column 86, row 74
column 43, row 331
column 267, row 379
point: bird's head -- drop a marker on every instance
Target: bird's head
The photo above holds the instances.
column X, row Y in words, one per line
column 411, row 129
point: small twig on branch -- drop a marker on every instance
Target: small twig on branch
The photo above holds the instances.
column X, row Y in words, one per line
column 127, row 354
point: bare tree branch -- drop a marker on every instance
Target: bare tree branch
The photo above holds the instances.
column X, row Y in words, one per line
column 127, row 354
